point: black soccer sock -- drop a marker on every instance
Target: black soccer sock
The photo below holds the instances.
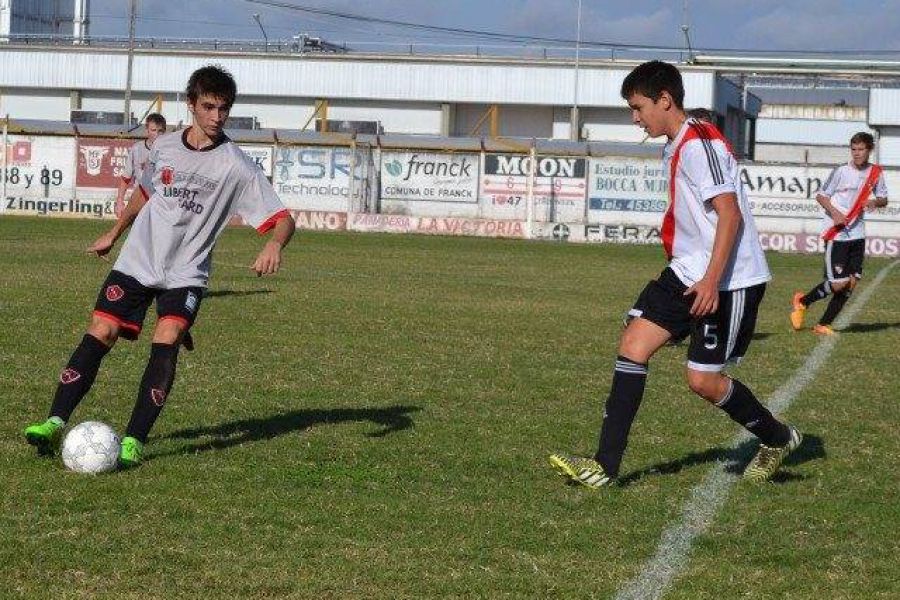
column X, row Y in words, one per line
column 155, row 387
column 621, row 407
column 77, row 378
column 817, row 293
column 744, row 409
column 834, row 307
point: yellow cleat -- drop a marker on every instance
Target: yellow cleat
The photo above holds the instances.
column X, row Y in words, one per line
column 585, row 471
column 798, row 311
column 820, row 329
column 768, row 459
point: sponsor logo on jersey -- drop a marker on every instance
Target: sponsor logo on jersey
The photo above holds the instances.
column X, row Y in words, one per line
column 167, row 175
column 68, row 376
column 114, row 293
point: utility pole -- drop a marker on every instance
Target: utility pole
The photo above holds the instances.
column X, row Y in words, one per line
column 575, row 119
column 132, row 10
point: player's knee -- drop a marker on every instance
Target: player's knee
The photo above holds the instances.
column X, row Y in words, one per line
column 169, row 331
column 633, row 347
column 840, row 286
column 853, row 283
column 104, row 330
column 711, row 386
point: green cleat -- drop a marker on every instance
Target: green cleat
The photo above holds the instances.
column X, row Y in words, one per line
column 585, row 471
column 46, row 436
column 131, row 452
column 768, row 459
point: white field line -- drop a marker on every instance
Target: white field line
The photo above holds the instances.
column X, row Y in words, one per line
column 673, row 553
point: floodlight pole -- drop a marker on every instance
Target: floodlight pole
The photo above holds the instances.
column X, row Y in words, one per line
column 574, row 133
column 132, row 10
column 265, row 37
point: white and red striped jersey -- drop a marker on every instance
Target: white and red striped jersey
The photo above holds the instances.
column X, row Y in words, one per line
column 843, row 187
column 701, row 166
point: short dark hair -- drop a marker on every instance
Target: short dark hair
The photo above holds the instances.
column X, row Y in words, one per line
column 863, row 138
column 155, row 118
column 212, row 80
column 702, row 114
column 651, row 79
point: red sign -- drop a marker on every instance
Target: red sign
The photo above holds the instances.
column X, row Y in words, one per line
column 101, row 163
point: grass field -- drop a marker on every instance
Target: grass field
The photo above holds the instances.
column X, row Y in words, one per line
column 374, row 423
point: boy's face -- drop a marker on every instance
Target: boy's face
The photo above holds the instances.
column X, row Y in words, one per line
column 153, row 131
column 859, row 152
column 210, row 113
column 651, row 116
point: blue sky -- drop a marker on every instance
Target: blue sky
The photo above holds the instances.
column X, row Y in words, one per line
column 795, row 25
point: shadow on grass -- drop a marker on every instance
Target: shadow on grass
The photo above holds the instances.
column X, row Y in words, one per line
column 234, row 293
column 735, row 459
column 867, row 327
column 225, row 435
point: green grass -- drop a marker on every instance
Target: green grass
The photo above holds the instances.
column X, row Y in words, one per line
column 374, row 423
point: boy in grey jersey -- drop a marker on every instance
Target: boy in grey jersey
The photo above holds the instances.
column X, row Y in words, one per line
column 138, row 155
column 195, row 181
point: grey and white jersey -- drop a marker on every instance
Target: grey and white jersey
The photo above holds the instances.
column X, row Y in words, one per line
column 192, row 194
column 138, row 155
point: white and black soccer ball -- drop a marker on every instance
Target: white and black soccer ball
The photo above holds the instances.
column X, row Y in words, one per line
column 91, row 447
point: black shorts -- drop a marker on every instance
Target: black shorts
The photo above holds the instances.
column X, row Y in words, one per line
column 124, row 300
column 844, row 260
column 716, row 339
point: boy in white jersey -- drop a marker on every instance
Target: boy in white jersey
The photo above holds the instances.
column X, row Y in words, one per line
column 846, row 196
column 195, row 181
column 138, row 155
column 710, row 291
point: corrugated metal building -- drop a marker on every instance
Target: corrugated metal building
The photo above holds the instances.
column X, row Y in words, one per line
column 884, row 115
column 453, row 95
column 409, row 95
column 809, row 125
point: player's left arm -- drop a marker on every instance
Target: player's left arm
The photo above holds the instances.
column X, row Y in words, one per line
column 269, row 259
column 880, row 200
column 706, row 291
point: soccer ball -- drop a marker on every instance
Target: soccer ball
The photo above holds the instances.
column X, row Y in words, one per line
column 90, row 447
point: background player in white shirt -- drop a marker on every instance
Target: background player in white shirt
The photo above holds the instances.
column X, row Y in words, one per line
column 710, row 291
column 194, row 182
column 136, row 161
column 846, row 196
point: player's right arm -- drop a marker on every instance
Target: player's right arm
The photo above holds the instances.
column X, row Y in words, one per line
column 105, row 242
column 839, row 218
column 824, row 199
column 120, row 197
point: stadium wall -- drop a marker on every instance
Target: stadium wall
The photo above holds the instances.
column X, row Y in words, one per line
column 577, row 193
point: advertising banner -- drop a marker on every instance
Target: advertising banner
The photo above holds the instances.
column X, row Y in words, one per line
column 261, row 154
column 627, row 190
column 454, row 226
column 559, row 187
column 430, row 177
column 101, row 162
column 789, row 191
column 318, row 178
column 40, row 177
column 320, row 220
